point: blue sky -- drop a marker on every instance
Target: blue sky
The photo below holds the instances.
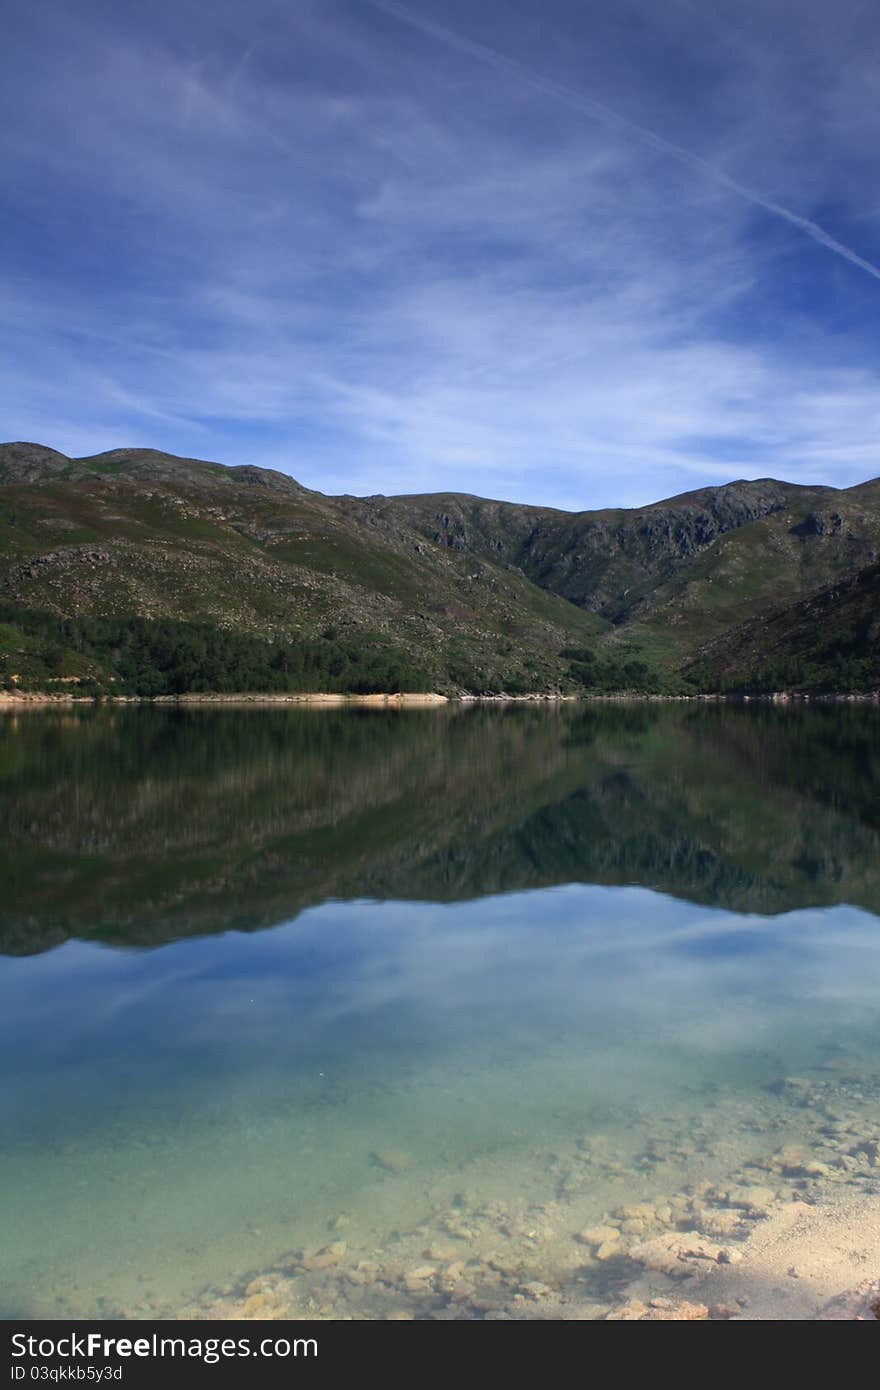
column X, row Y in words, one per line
column 573, row 253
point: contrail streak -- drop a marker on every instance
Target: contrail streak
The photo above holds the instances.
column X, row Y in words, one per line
column 589, row 106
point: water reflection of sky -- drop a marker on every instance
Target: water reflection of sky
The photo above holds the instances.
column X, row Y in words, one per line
column 350, row 985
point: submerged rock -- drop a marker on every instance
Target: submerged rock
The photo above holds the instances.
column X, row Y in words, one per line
column 682, row 1254
column 392, row 1160
column 326, row 1258
column 659, row 1310
column 756, row 1200
column 722, row 1221
column 598, row 1235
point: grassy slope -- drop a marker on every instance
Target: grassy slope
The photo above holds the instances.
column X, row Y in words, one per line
column 829, row 641
column 770, row 562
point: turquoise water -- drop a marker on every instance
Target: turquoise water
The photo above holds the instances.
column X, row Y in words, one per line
column 310, row 1013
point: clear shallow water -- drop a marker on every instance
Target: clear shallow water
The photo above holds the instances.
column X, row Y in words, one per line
column 317, row 1013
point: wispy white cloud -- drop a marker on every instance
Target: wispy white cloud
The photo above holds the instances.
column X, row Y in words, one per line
column 294, row 243
column 663, row 968
column 598, row 110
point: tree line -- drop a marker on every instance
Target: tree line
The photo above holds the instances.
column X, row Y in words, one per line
column 166, row 656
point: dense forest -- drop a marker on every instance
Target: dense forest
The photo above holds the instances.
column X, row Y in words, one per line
column 605, row 674
column 162, row 656
column 828, row 672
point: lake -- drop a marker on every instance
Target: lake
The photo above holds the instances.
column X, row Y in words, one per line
column 432, row 1013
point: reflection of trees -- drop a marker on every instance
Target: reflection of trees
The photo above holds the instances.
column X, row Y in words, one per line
column 140, row 825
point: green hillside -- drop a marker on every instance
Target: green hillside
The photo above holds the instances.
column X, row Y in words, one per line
column 278, row 587
column 828, row 642
column 139, row 534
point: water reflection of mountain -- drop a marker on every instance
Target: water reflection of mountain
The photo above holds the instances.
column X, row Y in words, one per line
column 138, row 826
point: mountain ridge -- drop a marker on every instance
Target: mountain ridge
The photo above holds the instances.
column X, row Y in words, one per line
column 475, row 593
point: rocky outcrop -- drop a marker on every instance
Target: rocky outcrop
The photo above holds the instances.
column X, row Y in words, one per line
column 31, row 463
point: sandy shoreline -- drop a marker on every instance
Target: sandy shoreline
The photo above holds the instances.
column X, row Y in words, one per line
column 811, row 1262
column 802, row 1262
column 22, row 699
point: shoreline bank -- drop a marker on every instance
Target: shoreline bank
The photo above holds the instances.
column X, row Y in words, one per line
column 18, row 699
column 802, row 1262
column 778, row 1237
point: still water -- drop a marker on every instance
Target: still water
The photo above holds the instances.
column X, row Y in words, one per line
column 320, row 1013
